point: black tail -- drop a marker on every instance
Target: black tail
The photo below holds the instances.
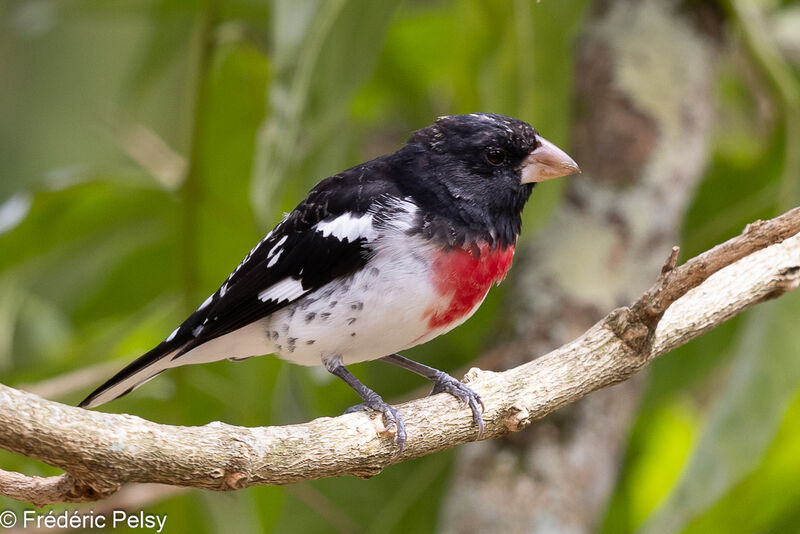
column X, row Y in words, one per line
column 133, row 375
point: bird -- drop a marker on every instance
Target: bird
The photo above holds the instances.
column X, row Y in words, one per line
column 377, row 259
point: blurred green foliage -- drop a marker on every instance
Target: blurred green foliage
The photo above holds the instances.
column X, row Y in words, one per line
column 146, row 145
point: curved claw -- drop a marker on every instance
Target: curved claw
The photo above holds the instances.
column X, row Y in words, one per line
column 391, row 416
column 446, row 383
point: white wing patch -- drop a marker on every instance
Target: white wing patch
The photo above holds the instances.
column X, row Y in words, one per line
column 277, row 245
column 274, row 259
column 255, row 248
column 287, row 289
column 347, row 227
column 206, row 303
column 404, row 214
column 173, row 334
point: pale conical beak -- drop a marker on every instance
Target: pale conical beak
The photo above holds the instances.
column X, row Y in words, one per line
column 547, row 161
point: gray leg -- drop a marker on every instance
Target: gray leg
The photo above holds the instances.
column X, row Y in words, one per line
column 443, row 382
column 371, row 399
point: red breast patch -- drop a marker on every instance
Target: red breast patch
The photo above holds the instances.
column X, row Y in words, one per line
column 466, row 276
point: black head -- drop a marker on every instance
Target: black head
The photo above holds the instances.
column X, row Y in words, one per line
column 479, row 170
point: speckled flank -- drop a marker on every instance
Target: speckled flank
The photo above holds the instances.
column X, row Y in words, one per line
column 384, row 319
column 395, row 303
column 401, row 309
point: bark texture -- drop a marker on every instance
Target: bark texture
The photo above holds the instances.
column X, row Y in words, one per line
column 644, row 105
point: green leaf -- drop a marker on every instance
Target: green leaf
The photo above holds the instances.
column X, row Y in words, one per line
column 745, row 417
column 766, row 500
column 322, row 58
column 170, row 25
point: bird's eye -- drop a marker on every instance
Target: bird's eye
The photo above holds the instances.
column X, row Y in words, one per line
column 496, row 156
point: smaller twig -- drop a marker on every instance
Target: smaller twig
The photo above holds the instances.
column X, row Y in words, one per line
column 756, row 236
column 670, row 262
column 70, row 382
column 636, row 324
column 41, row 491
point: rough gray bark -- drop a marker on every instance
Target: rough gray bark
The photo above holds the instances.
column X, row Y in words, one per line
column 101, row 452
column 644, row 107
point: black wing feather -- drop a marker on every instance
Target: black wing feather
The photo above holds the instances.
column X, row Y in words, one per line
column 308, row 256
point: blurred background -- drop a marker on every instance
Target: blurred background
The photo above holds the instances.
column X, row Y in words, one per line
column 145, row 146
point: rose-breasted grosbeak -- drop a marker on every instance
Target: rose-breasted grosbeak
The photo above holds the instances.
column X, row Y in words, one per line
column 379, row 258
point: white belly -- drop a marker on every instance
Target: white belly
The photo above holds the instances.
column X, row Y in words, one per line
column 376, row 312
column 382, row 309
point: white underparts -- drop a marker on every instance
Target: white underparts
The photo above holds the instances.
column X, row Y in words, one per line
column 380, row 309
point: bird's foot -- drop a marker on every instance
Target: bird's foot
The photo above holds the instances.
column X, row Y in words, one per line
column 391, row 416
column 443, row 382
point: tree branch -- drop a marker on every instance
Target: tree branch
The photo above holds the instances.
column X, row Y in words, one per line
column 100, row 452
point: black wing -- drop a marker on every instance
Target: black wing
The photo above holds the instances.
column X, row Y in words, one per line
column 293, row 251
